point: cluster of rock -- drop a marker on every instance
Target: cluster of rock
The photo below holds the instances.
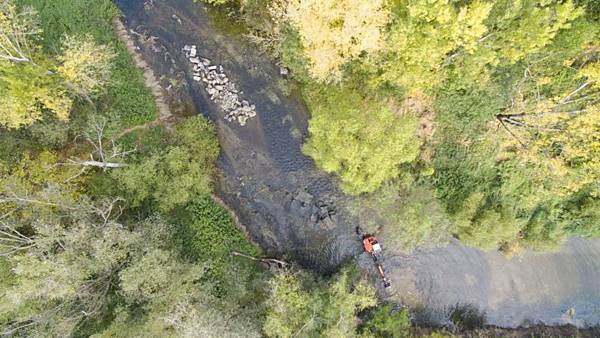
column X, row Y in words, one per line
column 221, row 90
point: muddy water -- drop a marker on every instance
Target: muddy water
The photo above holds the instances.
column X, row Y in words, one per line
column 291, row 209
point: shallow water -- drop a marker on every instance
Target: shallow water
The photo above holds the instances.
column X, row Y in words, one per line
column 277, row 192
column 552, row 288
column 290, row 208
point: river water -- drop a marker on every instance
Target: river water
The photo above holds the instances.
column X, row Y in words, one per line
column 291, row 209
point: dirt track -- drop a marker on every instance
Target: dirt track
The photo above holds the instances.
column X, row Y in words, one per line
column 290, row 208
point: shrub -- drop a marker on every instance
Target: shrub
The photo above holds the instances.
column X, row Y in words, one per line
column 360, row 140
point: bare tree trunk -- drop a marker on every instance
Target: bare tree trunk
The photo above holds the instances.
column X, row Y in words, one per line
column 99, row 164
column 100, row 157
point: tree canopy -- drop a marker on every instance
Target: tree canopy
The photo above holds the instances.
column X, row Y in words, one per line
column 82, row 251
column 361, row 141
column 328, row 311
column 32, row 81
column 334, row 32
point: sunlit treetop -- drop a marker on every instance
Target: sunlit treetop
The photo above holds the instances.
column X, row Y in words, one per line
column 32, row 82
column 335, row 31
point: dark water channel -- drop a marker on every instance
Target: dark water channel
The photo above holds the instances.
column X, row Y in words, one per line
column 291, row 209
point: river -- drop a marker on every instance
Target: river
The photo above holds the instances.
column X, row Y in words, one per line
column 291, row 209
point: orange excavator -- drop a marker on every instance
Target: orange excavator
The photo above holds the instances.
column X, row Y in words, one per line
column 372, row 246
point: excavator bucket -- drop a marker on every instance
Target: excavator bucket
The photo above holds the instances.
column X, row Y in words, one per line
column 386, row 282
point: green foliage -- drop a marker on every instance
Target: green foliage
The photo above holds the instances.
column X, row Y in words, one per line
column 75, row 254
column 77, row 260
column 50, row 132
column 361, row 141
column 215, row 2
column 146, row 140
column 327, row 311
column 387, row 322
column 464, row 162
column 32, row 82
column 334, row 32
column 290, row 307
column 513, row 159
column 65, row 269
column 26, row 88
column 7, row 280
column 136, row 285
column 418, row 221
column 207, row 232
column 592, row 9
column 428, row 37
column 345, row 298
column 84, row 65
column 525, row 27
column 176, row 175
column 422, row 37
column 83, row 261
column 126, row 101
column 169, row 179
column 175, row 301
column 515, row 183
column 291, row 53
column 198, row 135
column 486, row 226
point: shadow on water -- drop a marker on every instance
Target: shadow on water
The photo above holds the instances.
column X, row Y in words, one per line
column 466, row 317
column 291, row 209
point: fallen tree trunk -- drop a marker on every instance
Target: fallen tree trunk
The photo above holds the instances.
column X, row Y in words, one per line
column 279, row 264
column 100, row 164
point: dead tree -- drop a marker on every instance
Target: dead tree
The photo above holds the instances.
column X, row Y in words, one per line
column 108, row 210
column 12, row 240
column 48, row 197
column 573, row 104
column 16, row 31
column 101, row 157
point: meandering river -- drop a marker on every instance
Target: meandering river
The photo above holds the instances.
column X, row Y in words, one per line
column 291, row 209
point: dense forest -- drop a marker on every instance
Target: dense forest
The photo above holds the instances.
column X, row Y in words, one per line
column 473, row 119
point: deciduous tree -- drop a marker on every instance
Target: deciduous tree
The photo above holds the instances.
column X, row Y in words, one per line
column 334, row 32
column 424, row 35
column 85, row 65
column 363, row 142
column 326, row 312
column 32, row 81
column 175, row 175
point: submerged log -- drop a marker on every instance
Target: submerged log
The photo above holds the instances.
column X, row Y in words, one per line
column 270, row 262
